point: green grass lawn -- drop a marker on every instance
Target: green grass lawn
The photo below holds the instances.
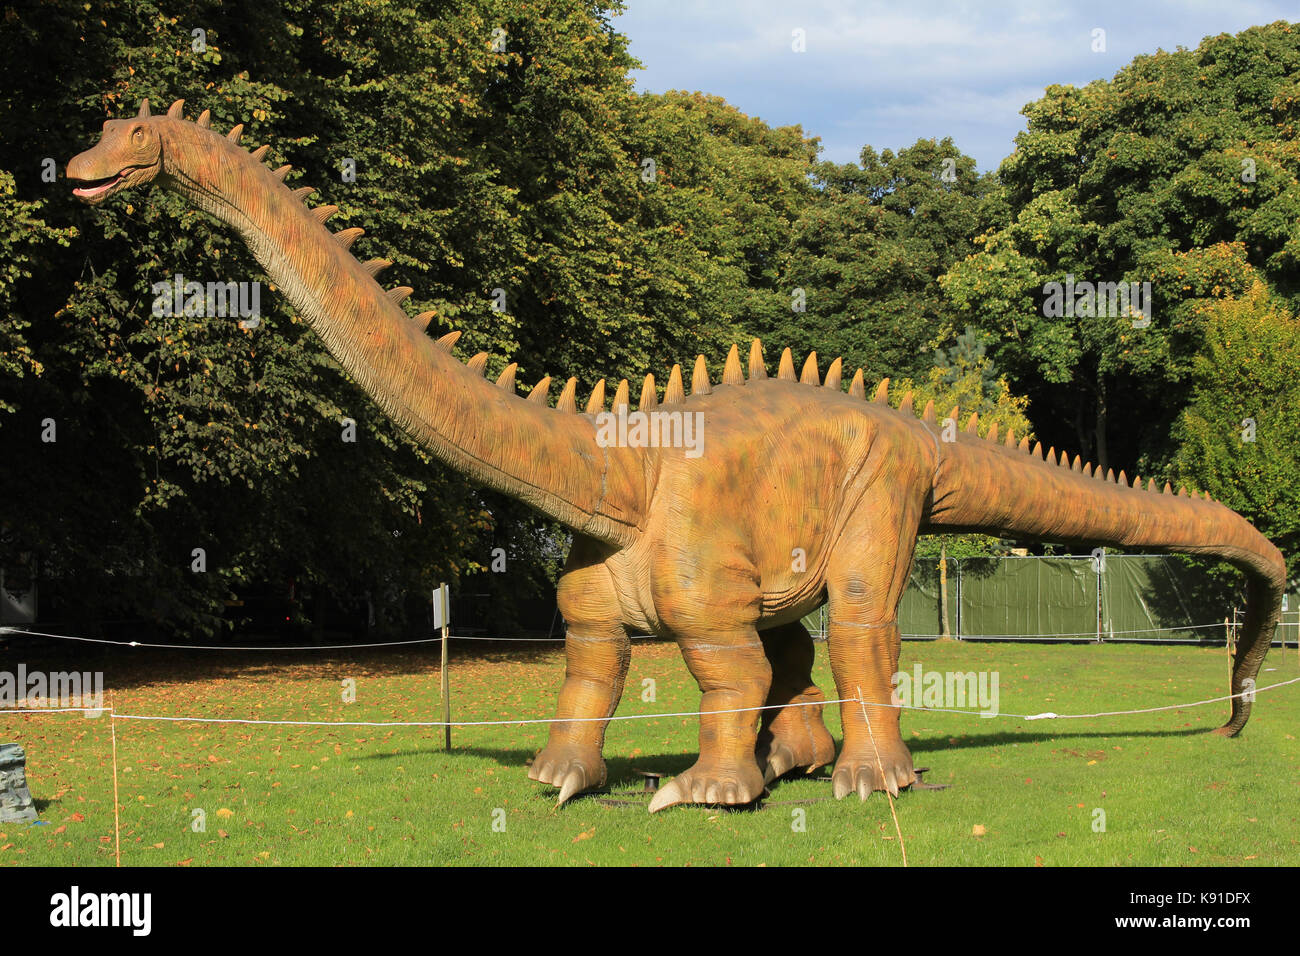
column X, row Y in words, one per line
column 1021, row 793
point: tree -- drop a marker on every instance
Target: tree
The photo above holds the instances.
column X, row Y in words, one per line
column 1237, row 437
column 867, row 255
column 1181, row 172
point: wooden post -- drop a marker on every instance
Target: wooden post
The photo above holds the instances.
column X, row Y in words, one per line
column 944, row 630
column 1230, row 632
column 443, row 595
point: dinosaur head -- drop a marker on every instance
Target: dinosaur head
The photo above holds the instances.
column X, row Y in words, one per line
column 129, row 153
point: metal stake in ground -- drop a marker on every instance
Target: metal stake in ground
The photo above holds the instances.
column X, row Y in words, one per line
column 442, row 617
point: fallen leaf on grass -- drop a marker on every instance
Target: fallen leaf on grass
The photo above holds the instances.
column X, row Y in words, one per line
column 978, row 830
column 585, row 835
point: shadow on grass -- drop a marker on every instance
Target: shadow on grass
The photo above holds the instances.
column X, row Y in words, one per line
column 966, row 741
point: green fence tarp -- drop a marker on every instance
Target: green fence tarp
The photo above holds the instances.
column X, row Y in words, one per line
column 1152, row 598
column 1138, row 597
column 1027, row 597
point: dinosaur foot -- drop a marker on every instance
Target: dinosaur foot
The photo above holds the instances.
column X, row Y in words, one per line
column 861, row 772
column 806, row 749
column 571, row 768
column 706, row 782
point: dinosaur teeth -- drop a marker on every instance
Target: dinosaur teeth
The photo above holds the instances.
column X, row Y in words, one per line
column 674, row 394
column 283, row 172
column 1182, row 492
column 1077, row 464
column 259, row 154
column 882, row 391
column 1167, row 490
column 1024, row 444
column 596, row 403
column 1087, row 471
column 757, row 369
column 302, row 192
column 905, row 406
column 810, row 375
column 376, row 266
column 423, row 319
column 235, row 134
column 205, row 120
column 786, row 372
column 1038, row 450
column 731, row 373
column 346, row 237
column 538, row 394
column 928, row 414
column 399, row 294
column 1110, row 475
column 568, row 397
column 1151, row 484
column 833, row 374
column 478, row 364
column 648, row 397
column 507, row 379
column 448, row 341
column 322, row 213
column 621, row 395
column 176, row 110
column 700, row 384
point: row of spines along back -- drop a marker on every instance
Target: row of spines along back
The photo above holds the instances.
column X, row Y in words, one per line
column 675, row 392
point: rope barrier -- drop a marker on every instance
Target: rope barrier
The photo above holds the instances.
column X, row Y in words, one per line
column 543, row 640
column 685, row 713
column 284, row 647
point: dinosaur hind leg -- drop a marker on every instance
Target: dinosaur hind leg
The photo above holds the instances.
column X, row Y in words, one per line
column 865, row 583
column 792, row 737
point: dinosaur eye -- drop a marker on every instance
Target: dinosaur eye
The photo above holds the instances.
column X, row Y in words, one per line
column 137, row 134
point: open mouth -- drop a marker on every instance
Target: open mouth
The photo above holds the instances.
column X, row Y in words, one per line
column 92, row 188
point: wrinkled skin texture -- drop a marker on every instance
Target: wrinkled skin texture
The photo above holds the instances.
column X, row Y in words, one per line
column 801, row 495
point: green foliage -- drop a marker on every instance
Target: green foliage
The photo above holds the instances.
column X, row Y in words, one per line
column 1182, row 171
column 498, row 145
column 1237, row 437
column 868, row 256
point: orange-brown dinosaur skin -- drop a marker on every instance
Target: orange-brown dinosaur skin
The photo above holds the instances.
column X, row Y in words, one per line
column 802, row 495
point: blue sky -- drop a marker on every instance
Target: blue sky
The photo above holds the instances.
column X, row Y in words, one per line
column 891, row 73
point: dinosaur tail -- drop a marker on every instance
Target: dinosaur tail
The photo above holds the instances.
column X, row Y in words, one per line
column 1012, row 492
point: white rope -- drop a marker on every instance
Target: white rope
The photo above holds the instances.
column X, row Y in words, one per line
column 282, row 647
column 468, row 637
column 685, row 713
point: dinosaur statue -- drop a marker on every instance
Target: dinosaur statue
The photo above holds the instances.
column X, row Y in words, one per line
column 697, row 547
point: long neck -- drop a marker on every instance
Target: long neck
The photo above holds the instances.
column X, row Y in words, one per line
column 547, row 458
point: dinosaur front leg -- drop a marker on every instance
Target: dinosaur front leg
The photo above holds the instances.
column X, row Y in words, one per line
column 865, row 583
column 794, row 735
column 597, row 652
column 734, row 673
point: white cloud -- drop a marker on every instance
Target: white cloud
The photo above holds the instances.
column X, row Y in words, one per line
column 930, row 68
